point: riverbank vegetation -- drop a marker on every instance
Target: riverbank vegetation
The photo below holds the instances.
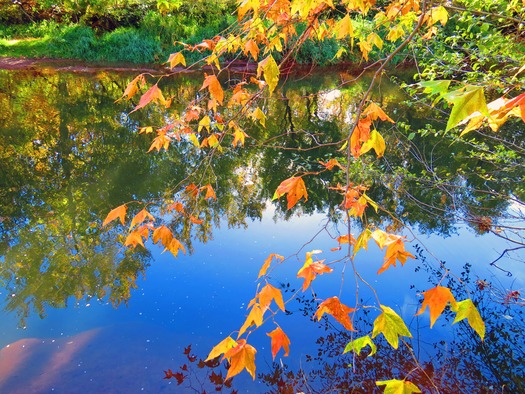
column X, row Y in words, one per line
column 478, row 39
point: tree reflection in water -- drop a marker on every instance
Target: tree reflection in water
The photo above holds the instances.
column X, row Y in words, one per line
column 67, row 159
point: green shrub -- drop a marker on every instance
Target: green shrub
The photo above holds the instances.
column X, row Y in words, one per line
column 126, row 44
column 75, row 42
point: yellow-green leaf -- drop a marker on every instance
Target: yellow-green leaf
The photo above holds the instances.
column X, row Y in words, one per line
column 391, row 325
column 270, row 71
column 438, row 14
column 362, row 241
column 467, row 310
column 205, row 122
column 465, row 101
column 259, row 115
column 376, row 142
column 395, row 386
column 221, row 348
column 359, row 344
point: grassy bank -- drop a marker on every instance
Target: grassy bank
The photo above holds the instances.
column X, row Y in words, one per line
column 143, row 33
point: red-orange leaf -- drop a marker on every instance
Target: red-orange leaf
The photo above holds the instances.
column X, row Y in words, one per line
column 338, row 310
column 153, row 94
column 118, row 212
column 437, row 299
column 240, row 357
column 294, row 187
column 518, row 101
column 279, row 341
column 214, row 86
column 361, row 134
column 192, row 190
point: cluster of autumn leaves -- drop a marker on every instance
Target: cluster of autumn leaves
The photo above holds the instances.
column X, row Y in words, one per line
column 264, row 28
column 143, row 223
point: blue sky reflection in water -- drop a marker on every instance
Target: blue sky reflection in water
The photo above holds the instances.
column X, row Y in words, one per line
column 198, row 300
column 60, row 185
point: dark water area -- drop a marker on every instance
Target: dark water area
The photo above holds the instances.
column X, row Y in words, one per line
column 83, row 313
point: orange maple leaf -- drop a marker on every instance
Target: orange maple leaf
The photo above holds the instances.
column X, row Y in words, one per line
column 133, row 239
column 395, row 251
column 330, row 164
column 192, row 190
column 192, row 113
column 279, row 341
column 140, row 217
column 355, row 202
column 118, row 212
column 437, row 299
column 255, row 317
column 162, row 234
column 252, row 48
column 338, row 310
column 269, row 293
column 210, row 193
column 174, row 246
column 214, row 86
column 373, row 111
column 310, row 271
column 267, row 263
column 159, row 142
column 361, row 134
column 240, row 357
column 294, row 187
column 133, row 87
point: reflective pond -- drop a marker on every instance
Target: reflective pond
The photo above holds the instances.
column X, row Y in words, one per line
column 83, row 313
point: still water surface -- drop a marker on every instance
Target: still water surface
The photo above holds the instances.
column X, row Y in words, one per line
column 82, row 314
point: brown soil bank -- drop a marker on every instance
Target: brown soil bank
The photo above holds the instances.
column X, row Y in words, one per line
column 11, row 63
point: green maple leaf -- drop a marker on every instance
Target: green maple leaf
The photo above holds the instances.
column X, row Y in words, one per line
column 390, row 324
column 396, row 386
column 467, row 310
